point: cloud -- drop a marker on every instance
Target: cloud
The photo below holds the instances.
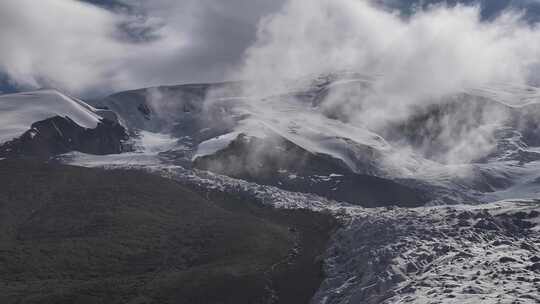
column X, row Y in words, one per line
column 68, row 44
column 87, row 49
column 442, row 49
column 218, row 33
column 418, row 61
column 113, row 45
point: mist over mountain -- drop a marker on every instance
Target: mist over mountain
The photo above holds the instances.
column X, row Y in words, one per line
column 112, row 46
column 292, row 151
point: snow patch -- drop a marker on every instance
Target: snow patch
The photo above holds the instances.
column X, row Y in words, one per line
column 155, row 142
column 215, row 144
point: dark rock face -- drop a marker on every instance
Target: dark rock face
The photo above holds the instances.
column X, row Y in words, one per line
column 283, row 164
column 143, row 108
column 58, row 135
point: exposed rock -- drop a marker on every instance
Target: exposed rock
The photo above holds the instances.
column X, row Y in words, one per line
column 58, row 135
column 507, row 260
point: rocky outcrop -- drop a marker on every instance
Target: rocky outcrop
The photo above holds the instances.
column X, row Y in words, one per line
column 59, row 135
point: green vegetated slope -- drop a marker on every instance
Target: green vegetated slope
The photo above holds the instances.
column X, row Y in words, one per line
column 78, row 235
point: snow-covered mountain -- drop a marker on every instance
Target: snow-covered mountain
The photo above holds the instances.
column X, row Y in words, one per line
column 318, row 144
column 467, row 146
column 20, row 111
column 278, row 142
column 46, row 122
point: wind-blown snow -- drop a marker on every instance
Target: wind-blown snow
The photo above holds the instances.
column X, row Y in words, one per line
column 147, row 145
column 19, row 111
column 314, row 132
column 288, row 118
column 155, row 142
column 214, row 145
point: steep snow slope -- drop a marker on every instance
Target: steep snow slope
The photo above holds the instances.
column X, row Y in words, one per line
column 19, row 111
